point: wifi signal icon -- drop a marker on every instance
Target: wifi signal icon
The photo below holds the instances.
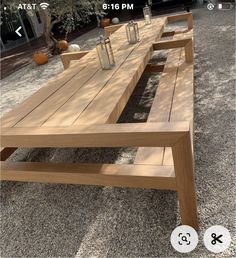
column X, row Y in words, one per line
column 44, row 5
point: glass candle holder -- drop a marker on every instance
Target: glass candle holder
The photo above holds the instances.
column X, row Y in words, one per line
column 147, row 14
column 105, row 53
column 132, row 32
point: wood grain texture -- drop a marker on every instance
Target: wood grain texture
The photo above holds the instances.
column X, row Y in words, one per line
column 111, row 29
column 182, row 104
column 66, row 58
column 24, row 108
column 91, row 174
column 181, row 17
column 81, row 96
column 111, row 100
column 182, row 100
column 184, row 173
column 169, row 44
column 161, row 108
column 104, row 135
column 187, row 43
column 48, row 89
column 174, row 94
column 87, row 77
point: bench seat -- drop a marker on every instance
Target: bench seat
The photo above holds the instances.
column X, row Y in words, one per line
column 173, row 101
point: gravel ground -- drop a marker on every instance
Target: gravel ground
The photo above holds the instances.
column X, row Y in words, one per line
column 43, row 220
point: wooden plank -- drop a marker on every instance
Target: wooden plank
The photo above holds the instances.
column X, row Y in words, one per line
column 180, row 17
column 169, row 44
column 161, row 107
column 183, row 100
column 182, row 108
column 28, row 105
column 50, row 105
column 67, row 57
column 5, row 153
column 168, row 158
column 109, row 103
column 66, row 105
column 189, row 52
column 183, row 34
column 81, row 101
column 178, row 33
column 111, row 29
column 105, row 135
column 76, row 104
column 88, row 80
column 91, row 174
column 184, row 172
column 187, row 43
column 24, row 108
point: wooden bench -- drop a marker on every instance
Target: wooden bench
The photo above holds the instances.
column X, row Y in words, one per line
column 175, row 87
column 164, row 158
column 174, row 102
column 111, row 29
column 66, row 58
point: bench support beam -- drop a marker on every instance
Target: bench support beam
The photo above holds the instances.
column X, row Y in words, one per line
column 187, row 43
column 182, row 17
column 67, row 57
column 104, row 135
column 111, row 29
column 150, row 177
column 184, row 173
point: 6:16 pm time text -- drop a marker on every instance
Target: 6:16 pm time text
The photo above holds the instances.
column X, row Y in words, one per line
column 118, row 6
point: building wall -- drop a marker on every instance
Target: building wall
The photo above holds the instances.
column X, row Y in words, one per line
column 38, row 27
column 12, row 40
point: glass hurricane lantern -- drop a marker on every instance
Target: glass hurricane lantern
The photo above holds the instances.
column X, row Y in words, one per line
column 132, row 32
column 105, row 53
column 147, row 14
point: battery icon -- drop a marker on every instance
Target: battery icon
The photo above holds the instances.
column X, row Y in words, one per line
column 225, row 6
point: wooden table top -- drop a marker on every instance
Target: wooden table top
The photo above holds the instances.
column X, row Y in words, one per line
column 86, row 94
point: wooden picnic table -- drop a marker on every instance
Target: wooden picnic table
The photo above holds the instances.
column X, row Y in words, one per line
column 80, row 108
column 85, row 94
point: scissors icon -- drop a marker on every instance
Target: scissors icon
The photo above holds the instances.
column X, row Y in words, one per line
column 216, row 238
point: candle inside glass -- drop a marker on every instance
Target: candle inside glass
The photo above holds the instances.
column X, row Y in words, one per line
column 147, row 19
column 105, row 59
column 147, row 14
column 132, row 37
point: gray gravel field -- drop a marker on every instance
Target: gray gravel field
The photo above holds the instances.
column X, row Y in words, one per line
column 44, row 220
